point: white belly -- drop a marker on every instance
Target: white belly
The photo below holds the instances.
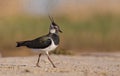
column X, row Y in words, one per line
column 49, row 48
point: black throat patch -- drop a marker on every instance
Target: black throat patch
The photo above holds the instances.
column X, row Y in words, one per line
column 55, row 38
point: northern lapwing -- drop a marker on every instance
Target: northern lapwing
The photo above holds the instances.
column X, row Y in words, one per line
column 45, row 43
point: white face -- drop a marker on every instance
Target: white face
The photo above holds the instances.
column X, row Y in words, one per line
column 52, row 31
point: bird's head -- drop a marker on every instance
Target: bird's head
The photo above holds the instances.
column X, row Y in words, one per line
column 54, row 28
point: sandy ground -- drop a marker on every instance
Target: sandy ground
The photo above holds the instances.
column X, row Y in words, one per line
column 82, row 65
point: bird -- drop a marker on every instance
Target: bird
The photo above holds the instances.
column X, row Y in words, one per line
column 45, row 43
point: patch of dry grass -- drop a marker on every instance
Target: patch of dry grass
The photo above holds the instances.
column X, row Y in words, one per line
column 100, row 33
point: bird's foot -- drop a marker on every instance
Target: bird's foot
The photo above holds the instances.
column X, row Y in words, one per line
column 37, row 65
column 54, row 66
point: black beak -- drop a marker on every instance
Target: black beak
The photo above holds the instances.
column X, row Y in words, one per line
column 60, row 31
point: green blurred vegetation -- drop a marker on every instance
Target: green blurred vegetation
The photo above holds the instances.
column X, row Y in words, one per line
column 98, row 33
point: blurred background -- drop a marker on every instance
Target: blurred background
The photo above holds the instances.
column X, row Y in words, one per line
column 88, row 25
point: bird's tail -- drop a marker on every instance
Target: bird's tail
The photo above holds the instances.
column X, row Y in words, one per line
column 20, row 44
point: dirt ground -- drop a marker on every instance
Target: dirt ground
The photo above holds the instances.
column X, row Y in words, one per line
column 82, row 65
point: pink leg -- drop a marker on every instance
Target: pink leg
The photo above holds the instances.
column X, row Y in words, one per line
column 37, row 64
column 50, row 60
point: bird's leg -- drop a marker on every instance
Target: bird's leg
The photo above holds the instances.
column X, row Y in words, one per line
column 37, row 64
column 50, row 60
